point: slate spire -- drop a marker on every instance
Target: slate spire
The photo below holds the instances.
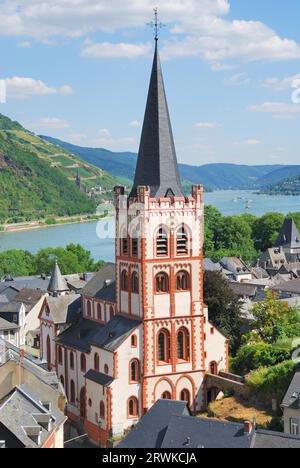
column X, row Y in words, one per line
column 157, row 165
column 57, row 282
column 289, row 236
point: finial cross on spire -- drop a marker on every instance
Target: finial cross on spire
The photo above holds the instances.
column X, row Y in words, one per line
column 156, row 25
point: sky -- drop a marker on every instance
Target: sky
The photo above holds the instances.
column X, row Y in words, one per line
column 79, row 70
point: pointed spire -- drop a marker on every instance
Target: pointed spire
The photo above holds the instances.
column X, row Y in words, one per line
column 289, row 236
column 57, row 282
column 157, row 165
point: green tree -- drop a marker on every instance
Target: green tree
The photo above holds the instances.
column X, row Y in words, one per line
column 266, row 230
column 235, row 234
column 16, row 263
column 224, row 307
column 273, row 320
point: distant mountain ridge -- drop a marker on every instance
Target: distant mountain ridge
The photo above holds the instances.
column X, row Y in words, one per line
column 216, row 176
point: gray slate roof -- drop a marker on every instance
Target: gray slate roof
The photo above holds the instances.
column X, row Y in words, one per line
column 157, row 165
column 109, row 337
column 64, row 309
column 292, row 397
column 292, row 287
column 169, row 425
column 243, row 289
column 289, row 235
column 57, row 281
column 99, row 378
column 5, row 325
column 102, row 285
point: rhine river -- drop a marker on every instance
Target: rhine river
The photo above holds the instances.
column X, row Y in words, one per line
column 98, row 237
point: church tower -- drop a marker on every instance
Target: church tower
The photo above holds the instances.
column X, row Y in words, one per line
column 159, row 265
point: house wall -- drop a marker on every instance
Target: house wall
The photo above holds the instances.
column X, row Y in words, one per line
column 288, row 414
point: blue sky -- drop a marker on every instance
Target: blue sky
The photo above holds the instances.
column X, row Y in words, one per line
column 79, row 70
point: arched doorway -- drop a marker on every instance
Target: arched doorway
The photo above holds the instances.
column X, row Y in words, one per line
column 212, row 395
column 49, row 353
column 83, row 403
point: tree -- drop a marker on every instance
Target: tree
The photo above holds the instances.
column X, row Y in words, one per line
column 235, row 234
column 224, row 307
column 273, row 320
column 16, row 263
column 266, row 230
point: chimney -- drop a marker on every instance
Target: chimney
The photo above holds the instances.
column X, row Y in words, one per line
column 248, row 428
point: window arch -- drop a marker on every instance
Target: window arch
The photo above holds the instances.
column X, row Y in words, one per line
column 72, row 392
column 185, row 396
column 133, row 407
column 134, row 369
column 124, row 280
column 49, row 357
column 166, row 396
column 62, row 380
column 135, row 282
column 102, row 410
column 89, row 308
column 111, row 312
column 183, row 281
column 99, row 312
column 162, row 284
column 72, row 361
column 164, row 345
column 106, row 369
column 134, row 244
column 213, row 368
column 96, row 362
column 162, row 249
column 124, row 242
column 83, row 363
column 60, row 355
column 182, row 241
column 183, row 345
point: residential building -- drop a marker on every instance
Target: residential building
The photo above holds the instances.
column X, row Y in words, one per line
column 291, row 406
column 239, row 269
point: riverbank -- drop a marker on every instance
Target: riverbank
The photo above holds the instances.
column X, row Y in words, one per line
column 52, row 222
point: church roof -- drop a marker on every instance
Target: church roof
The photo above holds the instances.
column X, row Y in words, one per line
column 57, row 281
column 289, row 235
column 157, row 165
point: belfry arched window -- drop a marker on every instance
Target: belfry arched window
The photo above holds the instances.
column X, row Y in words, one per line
column 164, row 346
column 124, row 242
column 183, row 345
column 162, row 283
column 134, row 244
column 162, row 243
column 183, row 281
column 124, row 280
column 182, row 241
column 135, row 282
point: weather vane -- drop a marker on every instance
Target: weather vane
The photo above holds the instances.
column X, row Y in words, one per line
column 156, row 25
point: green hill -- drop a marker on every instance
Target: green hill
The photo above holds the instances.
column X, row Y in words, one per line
column 290, row 186
column 37, row 180
column 216, row 176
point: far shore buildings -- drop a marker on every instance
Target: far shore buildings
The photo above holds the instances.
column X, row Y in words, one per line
column 143, row 332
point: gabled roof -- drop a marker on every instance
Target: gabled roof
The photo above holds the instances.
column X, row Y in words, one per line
column 5, row 325
column 64, row 309
column 29, row 296
column 57, row 282
column 157, row 165
column 102, row 285
column 79, row 335
column 289, row 235
column 152, row 428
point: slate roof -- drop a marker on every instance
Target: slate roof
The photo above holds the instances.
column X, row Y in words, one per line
column 109, row 337
column 102, row 285
column 168, row 424
column 157, row 165
column 57, row 281
column 292, row 397
column 31, row 282
column 99, row 378
column 289, row 235
column 29, row 296
column 64, row 309
column 11, row 307
column 235, row 265
column 292, row 287
column 5, row 325
column 151, row 429
column 243, row 289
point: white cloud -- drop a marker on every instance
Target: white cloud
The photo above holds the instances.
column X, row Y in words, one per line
column 277, row 84
column 207, row 125
column 135, row 123
column 218, row 67
column 50, row 123
column 278, row 108
column 25, row 88
column 205, row 30
column 121, row 50
column 238, row 80
column 24, row 44
column 252, row 142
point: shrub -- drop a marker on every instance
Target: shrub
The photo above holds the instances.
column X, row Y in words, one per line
column 252, row 357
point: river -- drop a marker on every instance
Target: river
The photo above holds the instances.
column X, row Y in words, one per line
column 101, row 247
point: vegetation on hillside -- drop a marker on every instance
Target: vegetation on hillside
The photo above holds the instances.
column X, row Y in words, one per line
column 290, row 186
column 72, row 259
